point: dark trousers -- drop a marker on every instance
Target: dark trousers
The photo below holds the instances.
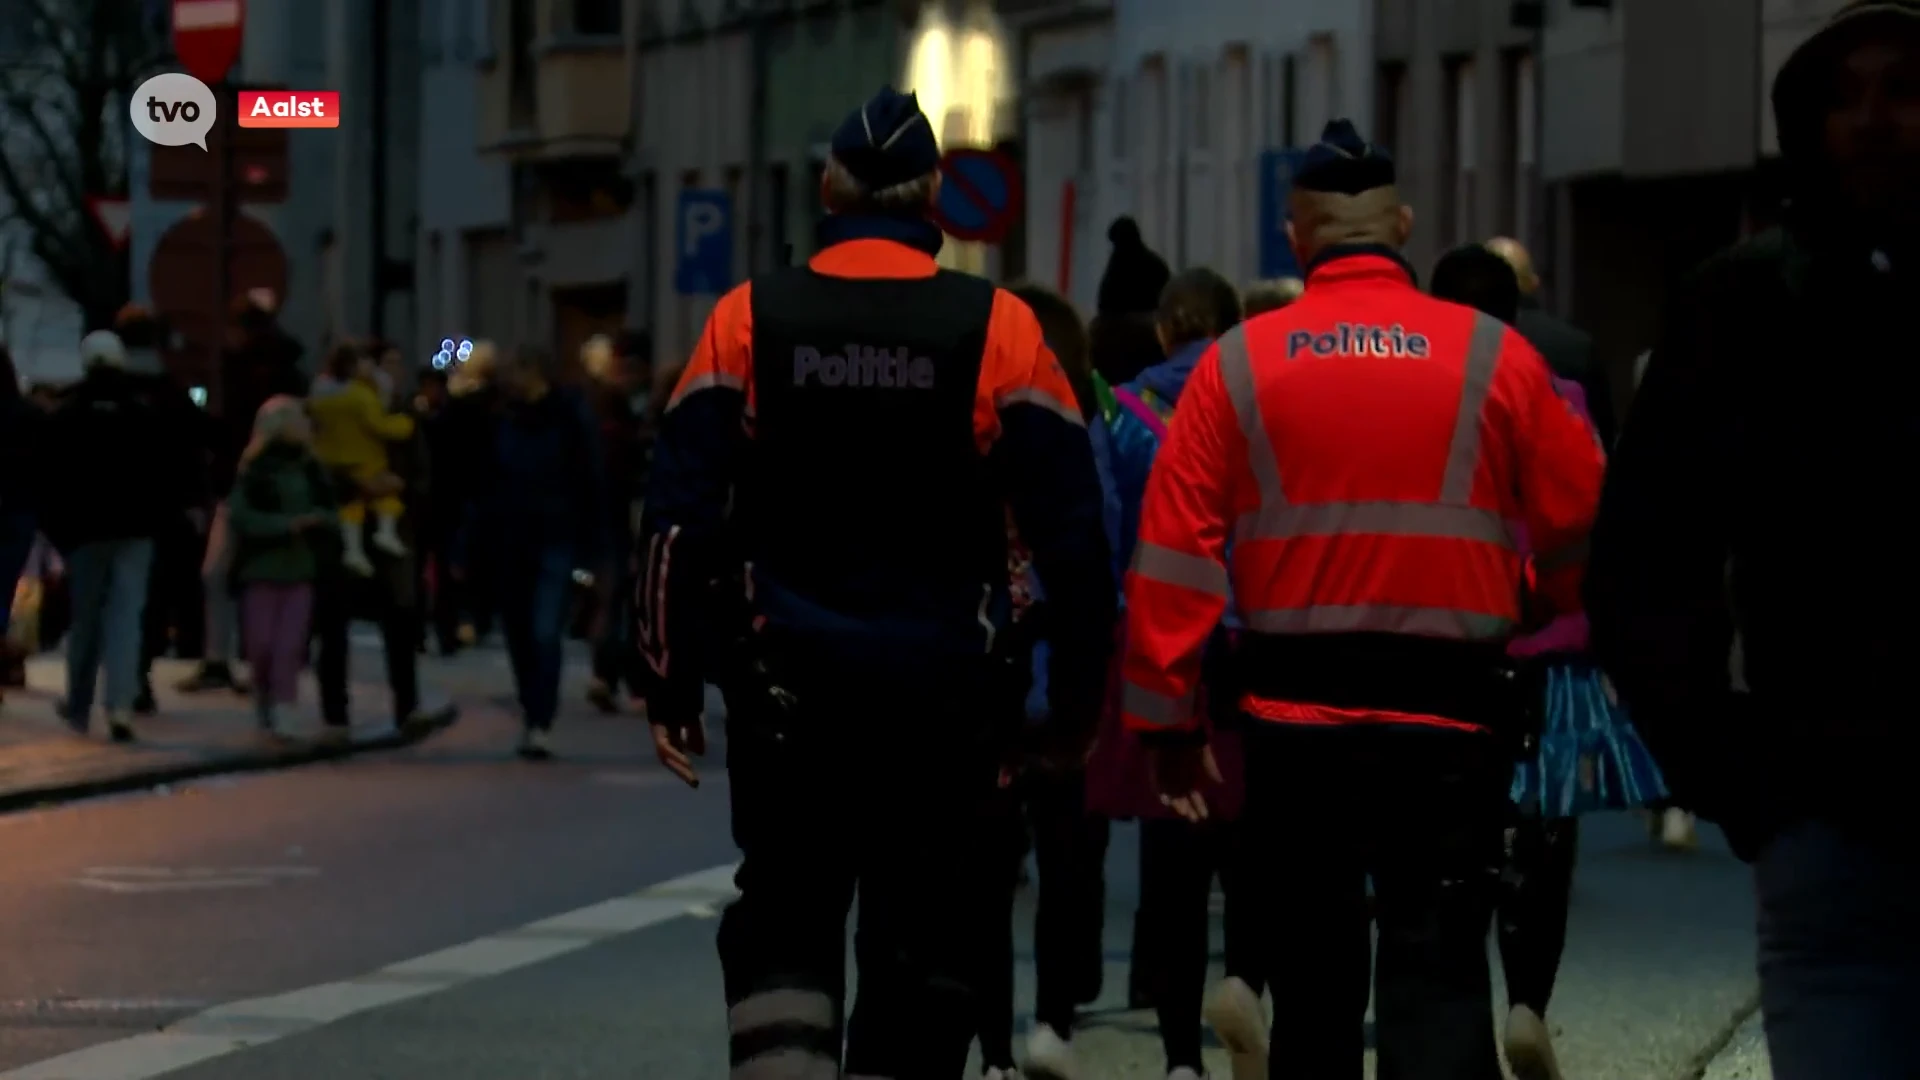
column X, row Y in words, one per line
column 1839, row 958
column 1536, row 888
column 175, row 618
column 1178, row 862
column 337, row 598
column 535, row 590
column 445, row 606
column 1069, row 952
column 1421, row 814
column 894, row 803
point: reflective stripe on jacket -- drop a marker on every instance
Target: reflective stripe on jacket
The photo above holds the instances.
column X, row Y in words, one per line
column 1361, row 451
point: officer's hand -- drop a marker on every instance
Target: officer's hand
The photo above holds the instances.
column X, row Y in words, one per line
column 676, row 744
column 1179, row 773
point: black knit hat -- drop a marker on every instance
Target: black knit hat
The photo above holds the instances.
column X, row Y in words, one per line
column 887, row 141
column 1343, row 163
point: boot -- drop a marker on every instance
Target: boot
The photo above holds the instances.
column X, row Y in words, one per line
column 353, row 555
column 386, row 535
column 1235, row 1014
column 1529, row 1046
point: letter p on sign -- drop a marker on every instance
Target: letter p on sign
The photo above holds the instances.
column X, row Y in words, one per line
column 704, row 219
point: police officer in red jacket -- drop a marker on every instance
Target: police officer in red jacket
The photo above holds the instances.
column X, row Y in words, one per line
column 1349, row 465
column 871, row 418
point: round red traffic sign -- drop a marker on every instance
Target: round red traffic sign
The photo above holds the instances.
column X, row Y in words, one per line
column 207, row 36
column 980, row 195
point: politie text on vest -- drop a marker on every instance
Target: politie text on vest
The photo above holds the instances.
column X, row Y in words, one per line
column 1359, row 339
column 863, row 365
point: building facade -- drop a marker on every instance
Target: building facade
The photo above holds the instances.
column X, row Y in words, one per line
column 695, row 89
column 1659, row 146
column 555, row 105
column 465, row 250
column 1194, row 93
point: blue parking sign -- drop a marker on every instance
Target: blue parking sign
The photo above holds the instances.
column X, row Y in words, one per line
column 703, row 243
column 1276, row 184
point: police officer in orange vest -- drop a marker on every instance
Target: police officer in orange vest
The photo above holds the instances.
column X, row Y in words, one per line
column 873, row 418
column 1350, row 465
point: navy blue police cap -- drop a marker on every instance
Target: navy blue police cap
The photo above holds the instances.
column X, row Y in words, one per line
column 1343, row 163
column 887, row 141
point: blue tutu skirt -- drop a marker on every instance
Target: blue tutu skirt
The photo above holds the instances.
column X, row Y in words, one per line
column 1588, row 757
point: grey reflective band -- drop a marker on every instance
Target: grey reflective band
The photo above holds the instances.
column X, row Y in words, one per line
column 1463, row 454
column 1383, row 619
column 1170, row 567
column 1028, row 395
column 1160, row 710
column 1375, row 519
column 1236, row 371
column 787, row 1064
column 712, row 380
column 808, row 1008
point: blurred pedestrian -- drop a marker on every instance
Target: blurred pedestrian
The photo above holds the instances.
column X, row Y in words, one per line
column 260, row 362
column 1568, row 349
column 284, row 516
column 610, row 390
column 871, row 419
column 390, row 597
column 21, row 428
column 1180, row 860
column 440, row 519
column 1808, row 771
column 1313, row 480
column 1122, row 327
column 352, row 431
column 110, row 492
column 1069, row 842
column 467, row 436
column 1264, row 296
column 538, row 515
column 1537, row 878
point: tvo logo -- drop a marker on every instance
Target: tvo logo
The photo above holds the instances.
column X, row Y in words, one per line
column 863, row 365
column 173, row 109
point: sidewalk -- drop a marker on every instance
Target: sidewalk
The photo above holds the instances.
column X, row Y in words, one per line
column 191, row 736
column 1658, row 967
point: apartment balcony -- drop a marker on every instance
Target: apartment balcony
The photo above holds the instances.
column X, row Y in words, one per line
column 553, row 91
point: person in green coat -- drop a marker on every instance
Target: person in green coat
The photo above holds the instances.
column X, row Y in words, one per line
column 284, row 513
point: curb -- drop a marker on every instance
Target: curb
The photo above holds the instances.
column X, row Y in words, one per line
column 223, row 764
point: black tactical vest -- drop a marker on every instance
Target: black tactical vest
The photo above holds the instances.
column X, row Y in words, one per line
column 866, row 503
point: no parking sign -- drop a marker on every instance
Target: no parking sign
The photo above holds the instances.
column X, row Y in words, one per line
column 980, row 195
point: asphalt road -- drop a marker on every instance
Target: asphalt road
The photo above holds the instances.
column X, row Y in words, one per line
column 382, row 918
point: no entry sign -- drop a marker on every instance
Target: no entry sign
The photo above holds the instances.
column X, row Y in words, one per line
column 207, row 36
column 979, row 195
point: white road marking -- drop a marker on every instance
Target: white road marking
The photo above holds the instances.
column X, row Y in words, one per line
column 157, row 879
column 241, row 1025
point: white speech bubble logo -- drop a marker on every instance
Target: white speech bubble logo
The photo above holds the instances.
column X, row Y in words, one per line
column 173, row 110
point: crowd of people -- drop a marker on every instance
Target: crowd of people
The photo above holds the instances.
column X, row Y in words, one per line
column 1290, row 574
column 1300, row 590
column 257, row 526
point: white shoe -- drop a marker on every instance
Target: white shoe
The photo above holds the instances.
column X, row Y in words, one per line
column 386, row 536
column 1236, row 1016
column 1529, row 1046
column 1050, row 1057
column 1184, row 1073
column 1000, row 1074
column 1677, row 831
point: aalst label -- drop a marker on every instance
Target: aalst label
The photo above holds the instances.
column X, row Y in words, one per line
column 289, row 108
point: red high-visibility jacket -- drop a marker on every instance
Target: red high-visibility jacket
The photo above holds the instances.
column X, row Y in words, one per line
column 1348, row 465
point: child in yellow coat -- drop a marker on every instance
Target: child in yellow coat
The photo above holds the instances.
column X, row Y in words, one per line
column 351, row 430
